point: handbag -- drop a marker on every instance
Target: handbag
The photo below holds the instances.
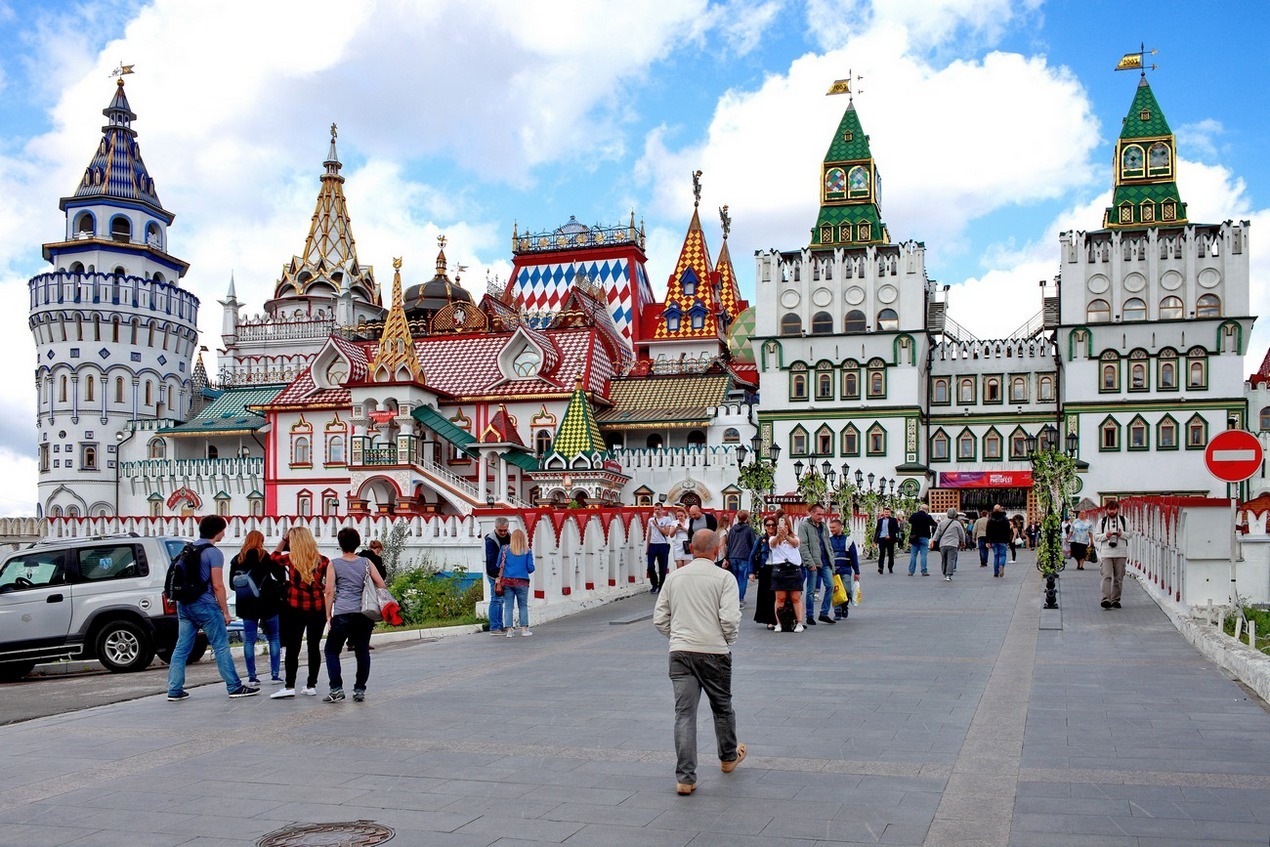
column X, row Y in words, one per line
column 839, row 591
column 244, row 585
column 498, row 581
column 372, row 605
column 856, row 594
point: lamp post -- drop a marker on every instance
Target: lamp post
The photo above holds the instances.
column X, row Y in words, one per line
column 120, row 439
column 759, row 473
column 1052, row 472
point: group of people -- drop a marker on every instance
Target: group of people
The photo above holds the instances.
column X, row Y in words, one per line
column 291, row 594
column 1103, row 542
column 508, row 565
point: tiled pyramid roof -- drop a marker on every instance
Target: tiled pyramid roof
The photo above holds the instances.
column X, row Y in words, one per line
column 844, row 204
column 579, row 432
column 696, row 270
column 1150, row 197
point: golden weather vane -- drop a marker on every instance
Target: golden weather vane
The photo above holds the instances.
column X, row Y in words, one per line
column 1136, row 61
column 122, row 70
column 843, row 86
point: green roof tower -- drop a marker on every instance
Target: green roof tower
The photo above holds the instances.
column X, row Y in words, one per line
column 1145, row 166
column 850, row 187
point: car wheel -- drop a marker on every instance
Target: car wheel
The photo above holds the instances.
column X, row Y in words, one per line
column 196, row 652
column 13, row 671
column 123, row 646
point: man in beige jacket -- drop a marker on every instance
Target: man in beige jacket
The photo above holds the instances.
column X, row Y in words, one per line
column 699, row 610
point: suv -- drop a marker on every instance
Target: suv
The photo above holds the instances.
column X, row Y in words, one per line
column 99, row 597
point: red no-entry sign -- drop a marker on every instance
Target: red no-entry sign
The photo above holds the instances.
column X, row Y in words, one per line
column 1233, row 455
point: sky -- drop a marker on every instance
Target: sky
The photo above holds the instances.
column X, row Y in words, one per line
column 992, row 123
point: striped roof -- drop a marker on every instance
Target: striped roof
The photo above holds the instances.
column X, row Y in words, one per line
column 668, row 401
column 117, row 170
column 228, row 414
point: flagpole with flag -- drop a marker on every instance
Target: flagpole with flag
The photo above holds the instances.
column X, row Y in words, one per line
column 1134, row 61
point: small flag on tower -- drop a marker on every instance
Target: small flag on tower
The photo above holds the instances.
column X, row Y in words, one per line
column 1130, row 62
column 840, row 86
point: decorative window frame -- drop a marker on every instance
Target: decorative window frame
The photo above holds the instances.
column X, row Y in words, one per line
column 824, row 380
column 335, row 430
column 1136, row 425
column 1109, row 424
column 940, row 437
column 999, row 381
column 962, row 382
column 822, row 323
column 301, row 436
column 874, row 432
column 1197, row 356
column 799, row 442
column 1196, row 432
column 1017, row 439
column 1109, row 359
column 990, row 434
column 304, row 503
column 825, row 438
column 850, row 433
column 791, row 325
column 1017, row 381
column 850, row 369
column 966, row 436
column 947, row 384
column 331, row 498
column 797, row 381
column 876, row 368
column 1159, row 430
column 456, row 455
column 1167, row 358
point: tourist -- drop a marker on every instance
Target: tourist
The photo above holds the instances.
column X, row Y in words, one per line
column 725, row 526
column 817, row 558
column 980, row 536
column 660, row 531
column 998, row 534
column 303, row 614
column 344, row 588
column 921, row 525
column 259, row 586
column 210, row 613
column 886, row 534
column 494, row 544
column 740, row 548
column 375, row 553
column 761, row 573
column 679, row 540
column 698, row 519
column 1079, row 538
column 1111, row 540
column 949, row 537
column 787, row 572
column 1017, row 539
column 846, row 563
column 699, row 611
column 517, row 565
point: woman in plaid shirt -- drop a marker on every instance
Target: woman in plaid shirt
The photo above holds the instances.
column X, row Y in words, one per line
column 305, row 607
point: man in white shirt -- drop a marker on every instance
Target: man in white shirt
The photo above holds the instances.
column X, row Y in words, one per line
column 659, row 531
column 699, row 611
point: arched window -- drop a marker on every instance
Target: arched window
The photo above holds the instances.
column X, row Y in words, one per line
column 335, row 450
column 300, row 454
column 1098, row 312
column 1171, row 309
column 855, row 321
column 877, row 440
column 1109, row 435
column 992, row 446
column 798, row 442
column 888, row 320
column 850, row 380
column 121, row 229
column 1132, row 161
column 1159, row 160
column 939, row 446
column 966, row 390
column 822, row 323
column 1045, row 389
column 1018, row 389
column 696, row 438
column 542, row 442
column 61, row 393
column 791, row 324
column 1138, row 377
column 824, row 441
column 1110, row 377
column 1166, row 434
column 84, row 226
column 851, row 441
column 1196, row 433
column 157, row 448
column 1135, row 309
column 798, row 383
column 213, row 452
column 992, row 390
column 939, row 391
column 1138, row 434
column 304, row 504
column 731, row 436
column 654, row 442
column 877, row 378
column 90, row 389
column 149, row 394
column 1208, row 306
column 1197, row 374
column 966, row 446
column 824, row 386
column 118, row 387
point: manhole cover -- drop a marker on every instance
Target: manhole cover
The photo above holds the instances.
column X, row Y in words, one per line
column 342, row 834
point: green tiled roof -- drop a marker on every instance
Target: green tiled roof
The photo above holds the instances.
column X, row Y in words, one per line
column 579, row 433
column 1144, row 103
column 228, row 413
column 849, row 142
column 522, row 460
column 442, row 426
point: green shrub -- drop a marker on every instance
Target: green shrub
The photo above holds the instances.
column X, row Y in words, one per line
column 429, row 599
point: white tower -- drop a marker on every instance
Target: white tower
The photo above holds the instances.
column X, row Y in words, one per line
column 114, row 332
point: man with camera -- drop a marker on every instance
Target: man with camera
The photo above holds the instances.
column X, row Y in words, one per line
column 1111, row 541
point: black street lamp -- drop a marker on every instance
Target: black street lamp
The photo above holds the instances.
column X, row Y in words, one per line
column 859, row 478
column 756, row 443
column 741, row 453
column 798, row 470
column 825, row 468
column 774, row 452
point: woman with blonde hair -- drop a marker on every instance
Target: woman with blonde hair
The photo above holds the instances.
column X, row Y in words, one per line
column 517, row 563
column 304, row 612
column 259, row 582
column 679, row 543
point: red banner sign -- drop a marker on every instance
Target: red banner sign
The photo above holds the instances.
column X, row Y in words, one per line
column 985, row 479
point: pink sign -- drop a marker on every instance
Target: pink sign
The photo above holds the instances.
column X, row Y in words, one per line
column 985, row 479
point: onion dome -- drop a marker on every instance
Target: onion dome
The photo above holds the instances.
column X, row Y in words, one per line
column 426, row 299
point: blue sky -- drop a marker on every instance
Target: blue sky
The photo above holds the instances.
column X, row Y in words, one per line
column 992, row 122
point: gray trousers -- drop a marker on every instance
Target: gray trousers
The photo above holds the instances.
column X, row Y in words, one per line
column 948, row 560
column 690, row 674
column 1112, row 569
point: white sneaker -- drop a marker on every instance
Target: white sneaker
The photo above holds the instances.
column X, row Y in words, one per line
column 511, row 633
column 310, row 692
column 525, row 632
column 778, row 628
column 282, row 692
column 798, row 627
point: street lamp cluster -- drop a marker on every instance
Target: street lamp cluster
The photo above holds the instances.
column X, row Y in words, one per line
column 1038, row 451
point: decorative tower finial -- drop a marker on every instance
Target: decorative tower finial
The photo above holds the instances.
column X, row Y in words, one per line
column 726, row 220
column 1134, row 61
column 396, row 346
column 334, row 131
column 121, row 71
column 441, row 255
column 696, row 189
column 843, row 86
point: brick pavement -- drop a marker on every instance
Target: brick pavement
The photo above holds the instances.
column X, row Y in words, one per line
column 938, row 715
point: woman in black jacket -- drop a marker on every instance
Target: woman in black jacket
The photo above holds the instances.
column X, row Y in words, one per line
column 259, row 583
column 765, row 600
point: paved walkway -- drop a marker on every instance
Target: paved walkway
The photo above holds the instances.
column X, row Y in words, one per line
column 939, row 715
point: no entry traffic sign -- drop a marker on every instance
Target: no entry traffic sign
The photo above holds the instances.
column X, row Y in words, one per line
column 1233, row 455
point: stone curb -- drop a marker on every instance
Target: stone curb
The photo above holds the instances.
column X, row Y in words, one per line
column 1251, row 667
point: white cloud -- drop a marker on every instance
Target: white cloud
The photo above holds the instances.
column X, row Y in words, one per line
column 929, row 23
column 744, row 24
column 1200, row 137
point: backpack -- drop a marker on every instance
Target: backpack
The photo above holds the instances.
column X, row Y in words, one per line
column 184, row 582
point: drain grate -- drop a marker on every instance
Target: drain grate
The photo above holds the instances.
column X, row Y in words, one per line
column 339, row 834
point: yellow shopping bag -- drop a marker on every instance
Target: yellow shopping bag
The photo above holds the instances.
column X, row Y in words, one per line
column 839, row 591
column 855, row 598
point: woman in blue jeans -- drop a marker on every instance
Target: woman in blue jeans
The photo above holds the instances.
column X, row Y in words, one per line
column 259, row 581
column 517, row 565
column 344, row 583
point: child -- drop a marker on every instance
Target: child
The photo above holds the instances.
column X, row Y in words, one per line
column 846, row 563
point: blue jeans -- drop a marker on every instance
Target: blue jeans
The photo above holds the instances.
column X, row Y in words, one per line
column 355, row 628
column 741, row 570
column 270, row 626
column 658, row 564
column 920, row 545
column 515, row 596
column 998, row 557
column 822, row 576
column 191, row 617
column 983, row 551
column 495, row 607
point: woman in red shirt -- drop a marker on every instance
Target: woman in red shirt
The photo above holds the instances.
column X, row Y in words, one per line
column 305, row 609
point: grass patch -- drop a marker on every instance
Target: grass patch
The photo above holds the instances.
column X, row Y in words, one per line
column 1261, row 617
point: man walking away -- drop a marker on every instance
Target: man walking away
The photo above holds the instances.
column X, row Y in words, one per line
column 949, row 537
column 981, row 539
column 886, row 534
column 846, row 564
column 659, row 533
column 998, row 534
column 921, row 525
column 817, row 555
column 494, row 544
column 741, row 541
column 698, row 610
column 1111, row 540
column 210, row 613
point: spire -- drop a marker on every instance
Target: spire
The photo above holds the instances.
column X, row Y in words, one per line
column 117, row 170
column 691, row 306
column 850, row 214
column 396, row 346
column 1145, row 168
column 329, row 259
column 231, row 295
column 579, row 432
column 730, row 301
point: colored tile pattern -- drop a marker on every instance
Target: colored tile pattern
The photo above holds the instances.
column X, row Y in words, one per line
column 1144, row 101
column 694, row 259
column 544, row 288
column 850, row 146
column 673, row 399
column 228, row 413
column 1146, row 189
column 396, row 347
column 579, row 432
column 117, row 169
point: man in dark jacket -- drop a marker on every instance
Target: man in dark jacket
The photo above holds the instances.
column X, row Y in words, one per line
column 741, row 541
column 920, row 527
column 998, row 533
column 699, row 520
column 886, row 534
column 494, row 544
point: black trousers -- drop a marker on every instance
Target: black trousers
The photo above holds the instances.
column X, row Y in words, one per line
column 886, row 547
column 295, row 624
